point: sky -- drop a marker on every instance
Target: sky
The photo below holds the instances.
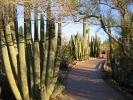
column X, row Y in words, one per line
column 71, row 29
column 67, row 29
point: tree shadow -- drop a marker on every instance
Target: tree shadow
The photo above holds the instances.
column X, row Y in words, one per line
column 88, row 85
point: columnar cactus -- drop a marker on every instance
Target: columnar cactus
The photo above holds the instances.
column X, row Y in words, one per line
column 86, row 38
column 8, row 49
column 95, row 46
column 22, row 65
column 31, row 67
column 78, row 48
column 80, row 45
column 28, row 46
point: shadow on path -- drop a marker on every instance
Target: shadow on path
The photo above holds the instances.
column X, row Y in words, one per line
column 85, row 83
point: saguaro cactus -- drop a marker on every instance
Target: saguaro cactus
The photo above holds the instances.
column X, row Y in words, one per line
column 85, row 38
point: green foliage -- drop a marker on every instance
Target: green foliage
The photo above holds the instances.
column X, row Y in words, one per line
column 66, row 56
column 78, row 47
column 104, row 45
column 121, row 61
column 95, row 46
column 122, row 71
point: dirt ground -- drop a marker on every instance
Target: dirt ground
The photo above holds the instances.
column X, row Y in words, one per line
column 84, row 82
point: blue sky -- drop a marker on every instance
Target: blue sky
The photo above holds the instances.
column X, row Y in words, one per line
column 68, row 29
column 71, row 29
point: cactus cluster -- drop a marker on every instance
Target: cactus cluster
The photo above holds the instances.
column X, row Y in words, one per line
column 95, row 46
column 31, row 65
column 79, row 45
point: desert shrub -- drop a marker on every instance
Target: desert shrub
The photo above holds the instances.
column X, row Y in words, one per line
column 122, row 71
column 66, row 58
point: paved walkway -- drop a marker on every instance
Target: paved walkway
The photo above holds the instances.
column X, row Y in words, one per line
column 85, row 83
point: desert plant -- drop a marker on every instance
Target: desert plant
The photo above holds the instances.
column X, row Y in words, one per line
column 95, row 46
column 31, row 67
column 79, row 45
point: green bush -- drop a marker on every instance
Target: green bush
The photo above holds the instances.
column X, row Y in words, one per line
column 66, row 57
column 122, row 71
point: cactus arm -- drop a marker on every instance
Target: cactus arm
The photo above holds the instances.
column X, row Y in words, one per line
column 6, row 60
column 9, row 73
column 41, row 41
column 51, row 36
column 11, row 14
column 42, row 28
column 51, row 53
column 36, row 56
column 58, row 50
column 8, row 35
column 28, row 43
column 43, row 75
column 36, row 67
column 23, row 67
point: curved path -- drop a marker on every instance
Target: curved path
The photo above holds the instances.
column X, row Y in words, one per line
column 85, row 83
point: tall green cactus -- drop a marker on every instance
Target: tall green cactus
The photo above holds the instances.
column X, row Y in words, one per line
column 78, row 49
column 23, row 67
column 28, row 45
column 86, row 38
column 58, row 49
column 80, row 45
column 24, row 74
column 36, row 55
column 8, row 35
column 95, row 46
column 42, row 36
column 98, row 42
column 72, row 47
column 8, row 70
column 51, row 36
column 5, row 54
